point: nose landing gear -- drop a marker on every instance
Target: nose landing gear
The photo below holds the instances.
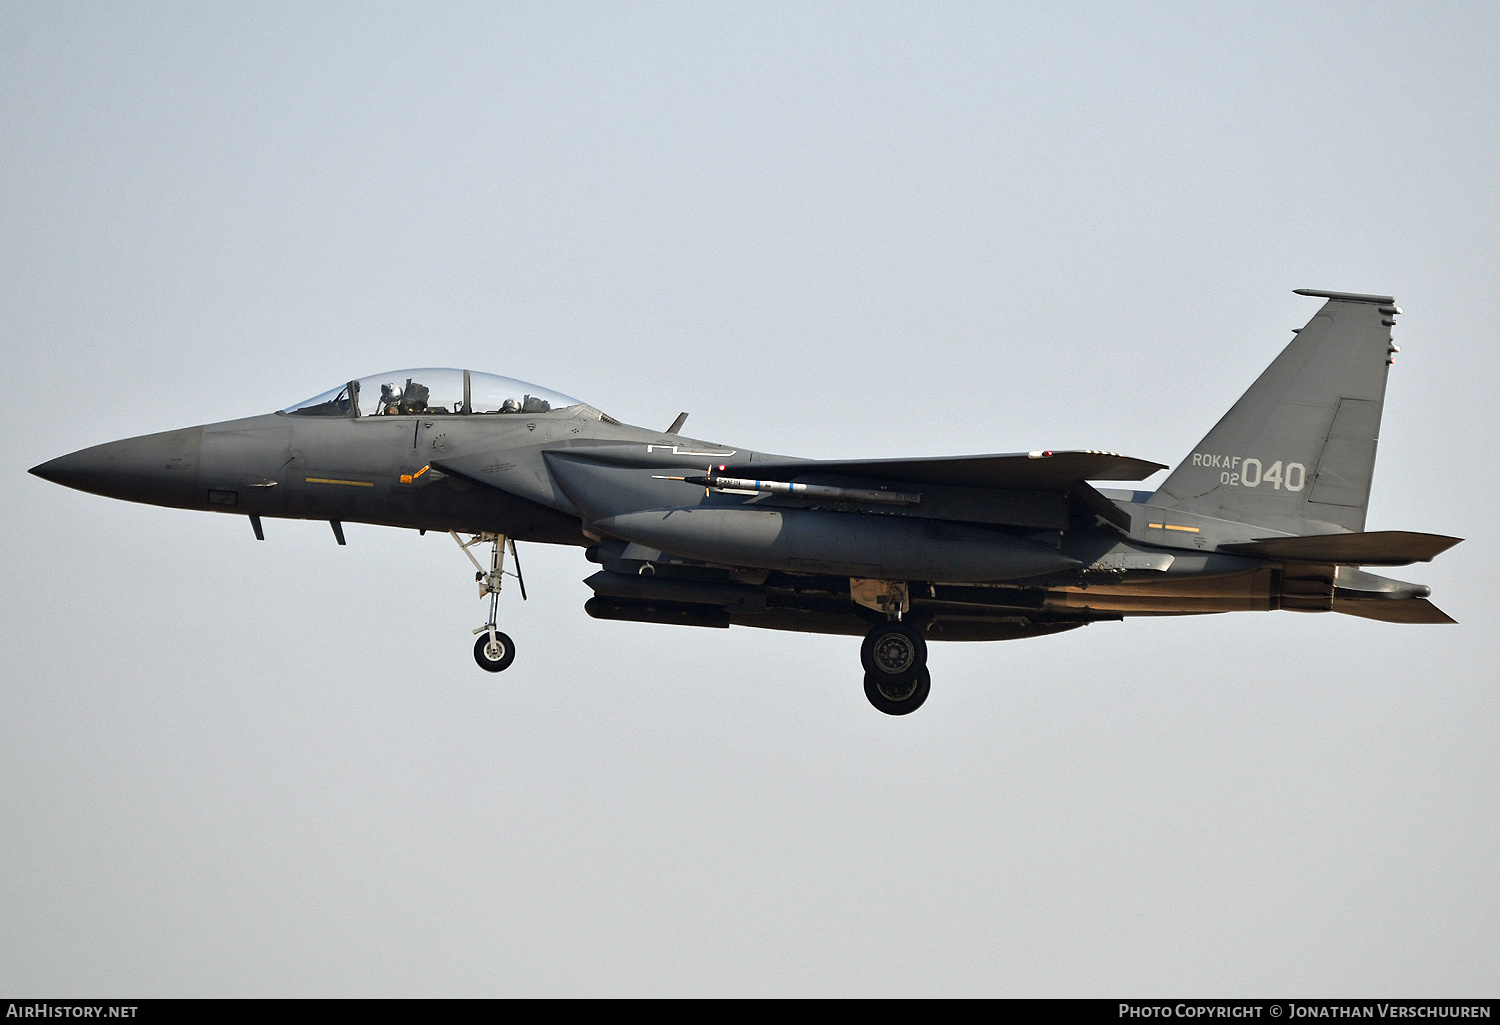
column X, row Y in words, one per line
column 494, row 651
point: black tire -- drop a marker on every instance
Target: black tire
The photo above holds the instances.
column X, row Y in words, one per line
column 894, row 652
column 482, row 655
column 898, row 698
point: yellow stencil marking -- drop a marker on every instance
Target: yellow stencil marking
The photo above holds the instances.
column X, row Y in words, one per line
column 1156, row 525
column 420, row 472
column 1173, row 526
column 351, row 483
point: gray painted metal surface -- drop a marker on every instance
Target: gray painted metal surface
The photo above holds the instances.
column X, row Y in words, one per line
column 1296, row 453
column 1266, row 512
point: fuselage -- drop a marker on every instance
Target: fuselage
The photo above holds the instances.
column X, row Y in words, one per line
column 371, row 469
column 573, row 476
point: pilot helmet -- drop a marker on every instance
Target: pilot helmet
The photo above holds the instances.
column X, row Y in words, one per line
column 390, row 398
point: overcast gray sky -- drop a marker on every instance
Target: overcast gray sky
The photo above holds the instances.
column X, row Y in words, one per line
column 232, row 768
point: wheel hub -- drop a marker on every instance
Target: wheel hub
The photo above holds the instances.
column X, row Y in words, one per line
column 897, row 691
column 894, row 654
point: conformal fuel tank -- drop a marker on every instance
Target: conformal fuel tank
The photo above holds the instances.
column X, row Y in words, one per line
column 814, row 541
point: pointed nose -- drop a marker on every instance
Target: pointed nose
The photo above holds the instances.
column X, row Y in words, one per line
column 161, row 469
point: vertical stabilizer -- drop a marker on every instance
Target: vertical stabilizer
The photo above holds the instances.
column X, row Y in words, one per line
column 1296, row 453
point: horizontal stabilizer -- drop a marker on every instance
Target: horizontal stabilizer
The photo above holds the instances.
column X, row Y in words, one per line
column 1376, row 548
column 1036, row 470
column 1406, row 610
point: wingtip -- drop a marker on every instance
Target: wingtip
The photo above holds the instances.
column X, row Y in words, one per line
column 1355, row 297
column 1447, row 620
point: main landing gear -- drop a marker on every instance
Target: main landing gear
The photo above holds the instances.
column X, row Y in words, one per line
column 493, row 650
column 895, row 660
column 898, row 699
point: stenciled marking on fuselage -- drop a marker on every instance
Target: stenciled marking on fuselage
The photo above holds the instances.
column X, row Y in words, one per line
column 1237, row 470
column 678, row 450
column 350, row 483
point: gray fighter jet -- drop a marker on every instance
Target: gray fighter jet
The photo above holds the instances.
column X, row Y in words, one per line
column 1267, row 512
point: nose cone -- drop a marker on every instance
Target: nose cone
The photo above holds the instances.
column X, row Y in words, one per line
column 161, row 469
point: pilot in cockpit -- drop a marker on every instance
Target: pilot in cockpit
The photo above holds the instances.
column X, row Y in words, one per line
column 408, row 400
column 439, row 392
column 414, row 398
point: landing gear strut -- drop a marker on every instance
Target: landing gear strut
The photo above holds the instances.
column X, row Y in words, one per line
column 494, row 651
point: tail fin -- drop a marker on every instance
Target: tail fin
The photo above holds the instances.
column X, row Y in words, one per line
column 1296, row 453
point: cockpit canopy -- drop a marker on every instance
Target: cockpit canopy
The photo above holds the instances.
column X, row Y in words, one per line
column 431, row 391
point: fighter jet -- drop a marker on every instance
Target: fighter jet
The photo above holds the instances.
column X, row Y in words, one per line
column 1267, row 511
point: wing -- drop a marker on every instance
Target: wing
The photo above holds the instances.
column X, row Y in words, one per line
column 1043, row 471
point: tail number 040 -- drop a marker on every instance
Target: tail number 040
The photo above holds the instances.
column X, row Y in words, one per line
column 1293, row 477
